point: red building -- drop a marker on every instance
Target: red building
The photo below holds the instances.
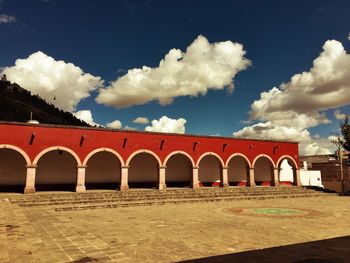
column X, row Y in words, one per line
column 36, row 156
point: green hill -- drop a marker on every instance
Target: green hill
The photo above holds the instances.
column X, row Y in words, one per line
column 16, row 104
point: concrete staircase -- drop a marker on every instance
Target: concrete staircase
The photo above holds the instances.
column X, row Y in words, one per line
column 64, row 201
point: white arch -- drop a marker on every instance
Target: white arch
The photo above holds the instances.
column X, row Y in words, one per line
column 238, row 154
column 263, row 155
column 289, row 158
column 143, row 151
column 178, row 152
column 210, row 153
column 116, row 154
column 17, row 149
column 56, row 148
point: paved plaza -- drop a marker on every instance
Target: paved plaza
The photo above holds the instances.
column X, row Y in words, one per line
column 288, row 230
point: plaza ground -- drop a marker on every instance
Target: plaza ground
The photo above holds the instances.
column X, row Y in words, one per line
column 279, row 230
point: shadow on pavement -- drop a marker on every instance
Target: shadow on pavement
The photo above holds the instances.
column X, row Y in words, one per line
column 333, row 250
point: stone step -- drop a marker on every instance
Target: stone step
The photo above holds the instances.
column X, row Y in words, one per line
column 178, row 201
column 72, row 201
column 157, row 192
column 159, row 195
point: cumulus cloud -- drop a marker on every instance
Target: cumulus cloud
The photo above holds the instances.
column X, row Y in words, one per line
column 349, row 36
column 128, row 128
column 288, row 111
column 268, row 130
column 58, row 82
column 141, row 120
column 165, row 124
column 202, row 67
column 302, row 100
column 339, row 115
column 308, row 145
column 114, row 124
column 4, row 19
column 86, row 115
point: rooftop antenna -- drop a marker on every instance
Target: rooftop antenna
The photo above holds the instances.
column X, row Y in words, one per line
column 31, row 121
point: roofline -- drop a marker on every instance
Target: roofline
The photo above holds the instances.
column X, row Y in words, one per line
column 140, row 132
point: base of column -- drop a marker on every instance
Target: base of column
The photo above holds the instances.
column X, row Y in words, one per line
column 80, row 188
column 251, row 184
column 225, row 185
column 276, row 183
column 29, row 190
column 195, row 185
column 162, row 186
column 124, row 188
column 298, row 183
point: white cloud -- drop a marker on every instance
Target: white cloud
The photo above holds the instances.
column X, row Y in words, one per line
column 308, row 145
column 114, row 124
column 141, row 120
column 316, row 146
column 128, row 128
column 86, row 115
column 349, row 36
column 339, row 115
column 4, row 19
column 58, row 82
column 285, row 113
column 302, row 101
column 202, row 67
column 268, row 130
column 165, row 124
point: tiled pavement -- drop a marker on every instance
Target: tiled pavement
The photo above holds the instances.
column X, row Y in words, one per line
column 166, row 233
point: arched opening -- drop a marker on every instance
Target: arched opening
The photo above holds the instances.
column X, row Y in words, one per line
column 238, row 171
column 287, row 172
column 103, row 171
column 57, row 170
column 178, row 171
column 12, row 171
column 143, row 171
column 263, row 171
column 210, row 171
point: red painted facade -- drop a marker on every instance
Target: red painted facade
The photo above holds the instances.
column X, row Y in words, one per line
column 35, row 138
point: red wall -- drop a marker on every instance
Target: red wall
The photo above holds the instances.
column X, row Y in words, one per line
column 19, row 134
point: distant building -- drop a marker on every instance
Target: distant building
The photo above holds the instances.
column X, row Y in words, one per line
column 4, row 82
column 330, row 170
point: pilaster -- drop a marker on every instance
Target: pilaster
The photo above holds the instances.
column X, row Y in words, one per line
column 161, row 180
column 195, row 183
column 251, row 181
column 81, row 178
column 276, row 173
column 297, row 179
column 124, row 178
column 30, row 179
column 224, row 179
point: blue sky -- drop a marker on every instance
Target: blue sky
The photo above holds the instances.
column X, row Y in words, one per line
column 107, row 38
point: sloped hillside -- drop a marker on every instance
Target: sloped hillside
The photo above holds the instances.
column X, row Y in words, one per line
column 16, row 104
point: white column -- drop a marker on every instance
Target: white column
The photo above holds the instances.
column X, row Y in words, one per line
column 30, row 179
column 161, row 179
column 195, row 177
column 297, row 173
column 276, row 173
column 81, row 179
column 124, row 178
column 251, row 177
column 224, row 179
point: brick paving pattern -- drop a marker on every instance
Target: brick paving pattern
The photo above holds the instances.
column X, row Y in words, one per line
column 167, row 233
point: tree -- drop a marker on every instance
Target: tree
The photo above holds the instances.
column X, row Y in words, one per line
column 345, row 131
